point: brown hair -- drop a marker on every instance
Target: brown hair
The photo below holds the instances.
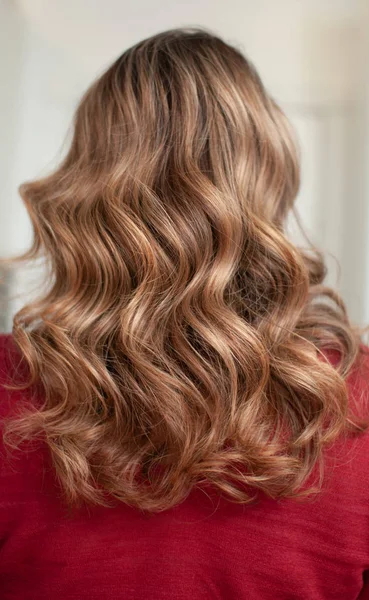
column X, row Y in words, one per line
column 181, row 328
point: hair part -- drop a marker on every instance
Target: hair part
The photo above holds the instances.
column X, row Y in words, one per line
column 182, row 336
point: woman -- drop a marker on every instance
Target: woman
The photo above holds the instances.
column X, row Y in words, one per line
column 184, row 410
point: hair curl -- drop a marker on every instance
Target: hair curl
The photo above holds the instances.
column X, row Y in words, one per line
column 181, row 338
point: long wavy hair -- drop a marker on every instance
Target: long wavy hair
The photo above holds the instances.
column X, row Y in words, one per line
column 181, row 338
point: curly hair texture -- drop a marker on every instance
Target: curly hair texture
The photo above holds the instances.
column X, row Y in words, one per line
column 182, row 337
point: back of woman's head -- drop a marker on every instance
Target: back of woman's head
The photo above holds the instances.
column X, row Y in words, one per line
column 180, row 338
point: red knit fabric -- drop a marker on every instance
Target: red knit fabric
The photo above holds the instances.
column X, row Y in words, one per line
column 207, row 548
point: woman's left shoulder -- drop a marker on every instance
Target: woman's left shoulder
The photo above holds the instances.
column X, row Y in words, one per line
column 7, row 350
column 12, row 368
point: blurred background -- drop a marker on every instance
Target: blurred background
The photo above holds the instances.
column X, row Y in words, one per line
column 313, row 56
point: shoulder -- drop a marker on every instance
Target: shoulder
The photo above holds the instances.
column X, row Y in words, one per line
column 8, row 351
column 10, row 358
column 357, row 379
column 358, row 382
column 357, row 385
column 6, row 347
column 12, row 369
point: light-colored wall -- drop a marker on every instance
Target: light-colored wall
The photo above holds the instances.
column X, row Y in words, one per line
column 309, row 53
column 364, row 131
column 11, row 107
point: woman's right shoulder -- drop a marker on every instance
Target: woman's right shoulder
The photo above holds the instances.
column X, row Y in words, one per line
column 357, row 379
column 358, row 382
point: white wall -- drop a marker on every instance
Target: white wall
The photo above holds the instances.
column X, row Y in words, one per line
column 364, row 146
column 309, row 53
column 11, row 106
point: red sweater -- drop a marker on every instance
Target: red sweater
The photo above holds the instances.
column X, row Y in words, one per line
column 207, row 548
